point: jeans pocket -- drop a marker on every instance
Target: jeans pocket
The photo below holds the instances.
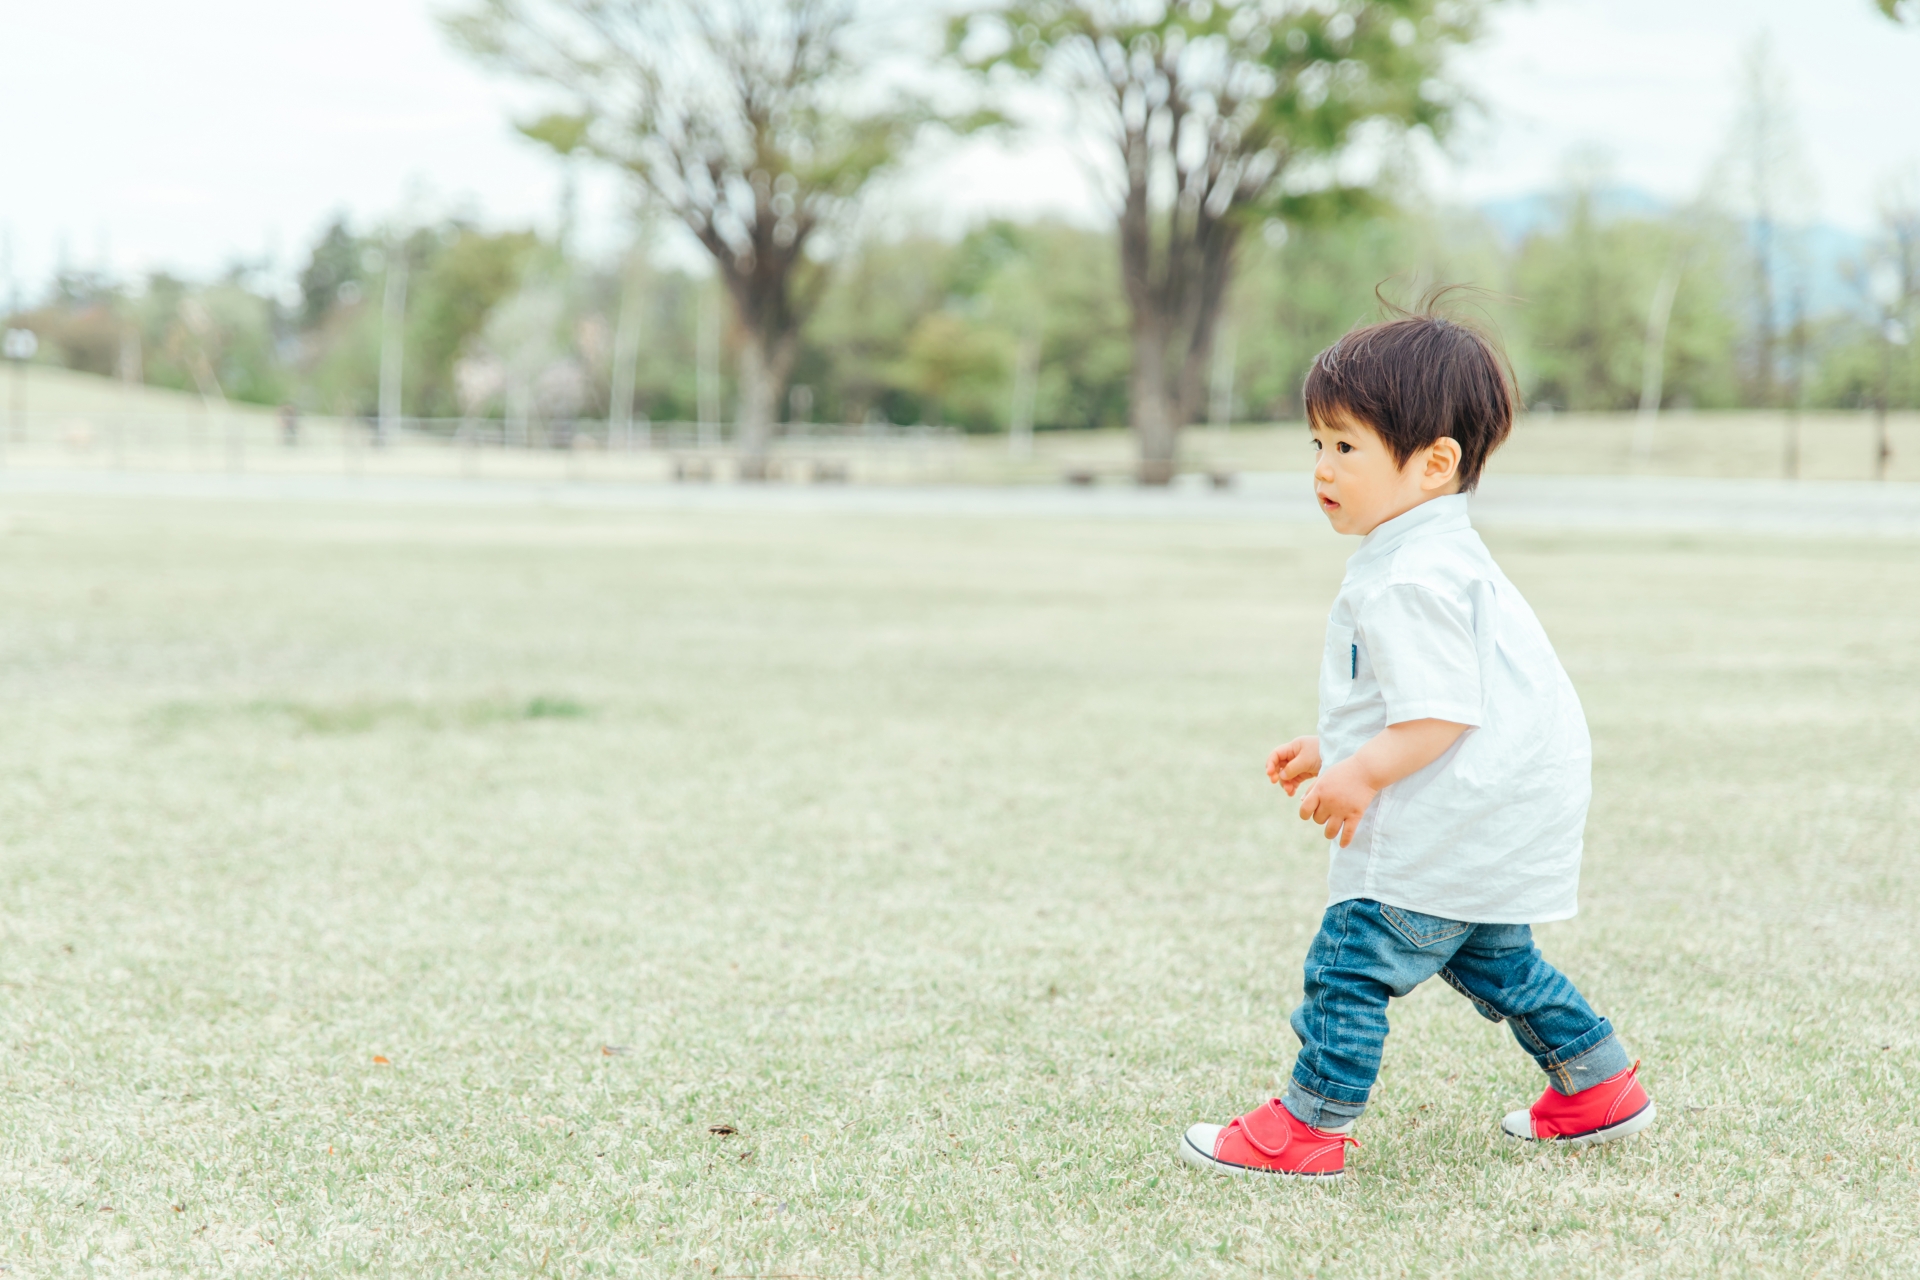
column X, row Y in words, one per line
column 1422, row 930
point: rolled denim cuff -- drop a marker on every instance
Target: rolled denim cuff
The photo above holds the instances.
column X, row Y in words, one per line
column 1322, row 1103
column 1594, row 1057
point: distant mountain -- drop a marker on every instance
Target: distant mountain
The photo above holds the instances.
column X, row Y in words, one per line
column 1826, row 251
column 1517, row 217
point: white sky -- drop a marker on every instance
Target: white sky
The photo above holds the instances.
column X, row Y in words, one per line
column 183, row 135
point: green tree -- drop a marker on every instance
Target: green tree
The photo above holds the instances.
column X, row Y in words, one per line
column 1299, row 290
column 333, row 266
column 80, row 324
column 959, row 368
column 732, row 115
column 1766, row 177
column 1220, row 114
column 1585, row 287
column 665, row 378
column 458, row 274
column 879, row 344
column 464, row 274
column 1063, row 289
column 879, row 292
column 239, row 338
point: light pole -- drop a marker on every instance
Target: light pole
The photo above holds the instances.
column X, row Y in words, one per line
column 1026, row 381
column 626, row 355
column 1653, row 352
column 393, row 338
column 706, row 362
column 1884, row 285
column 20, row 344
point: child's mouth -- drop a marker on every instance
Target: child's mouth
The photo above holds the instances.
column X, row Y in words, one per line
column 1326, row 503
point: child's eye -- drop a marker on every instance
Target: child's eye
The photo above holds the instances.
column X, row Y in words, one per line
column 1345, row 447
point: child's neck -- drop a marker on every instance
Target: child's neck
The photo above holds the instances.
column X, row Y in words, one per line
column 1408, row 499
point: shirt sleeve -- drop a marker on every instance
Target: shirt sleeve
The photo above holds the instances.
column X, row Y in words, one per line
column 1422, row 648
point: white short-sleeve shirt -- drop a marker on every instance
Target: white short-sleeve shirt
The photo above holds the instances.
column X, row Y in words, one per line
column 1427, row 627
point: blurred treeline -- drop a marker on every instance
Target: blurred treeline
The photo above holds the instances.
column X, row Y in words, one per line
column 925, row 329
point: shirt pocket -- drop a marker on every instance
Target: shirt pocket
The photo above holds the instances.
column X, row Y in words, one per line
column 1339, row 665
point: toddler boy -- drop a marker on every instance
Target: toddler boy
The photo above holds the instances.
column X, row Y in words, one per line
column 1451, row 768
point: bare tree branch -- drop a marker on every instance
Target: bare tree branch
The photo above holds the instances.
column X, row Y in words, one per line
column 736, row 117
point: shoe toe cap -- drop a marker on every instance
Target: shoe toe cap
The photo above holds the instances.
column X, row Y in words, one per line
column 1201, row 1140
column 1519, row 1124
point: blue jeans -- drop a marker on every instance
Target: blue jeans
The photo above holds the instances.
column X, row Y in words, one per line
column 1367, row 952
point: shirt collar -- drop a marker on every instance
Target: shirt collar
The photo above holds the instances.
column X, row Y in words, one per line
column 1434, row 516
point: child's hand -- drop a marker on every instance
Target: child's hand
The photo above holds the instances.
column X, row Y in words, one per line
column 1344, row 791
column 1338, row 798
column 1294, row 763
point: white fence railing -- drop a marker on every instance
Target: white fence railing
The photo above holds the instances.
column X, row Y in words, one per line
column 236, row 439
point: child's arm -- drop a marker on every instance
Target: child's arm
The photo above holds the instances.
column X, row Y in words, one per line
column 1341, row 794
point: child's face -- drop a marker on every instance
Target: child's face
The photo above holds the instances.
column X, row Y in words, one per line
column 1359, row 484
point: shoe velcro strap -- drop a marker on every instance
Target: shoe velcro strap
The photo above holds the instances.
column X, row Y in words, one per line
column 1267, row 1128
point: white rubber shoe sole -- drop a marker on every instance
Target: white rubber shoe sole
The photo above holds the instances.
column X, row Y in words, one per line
column 1196, row 1148
column 1519, row 1124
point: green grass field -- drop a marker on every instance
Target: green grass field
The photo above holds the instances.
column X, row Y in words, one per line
column 418, row 892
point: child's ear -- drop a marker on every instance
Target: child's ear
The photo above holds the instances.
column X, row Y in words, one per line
column 1443, row 463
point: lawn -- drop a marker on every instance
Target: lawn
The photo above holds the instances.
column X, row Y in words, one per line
column 527, row 892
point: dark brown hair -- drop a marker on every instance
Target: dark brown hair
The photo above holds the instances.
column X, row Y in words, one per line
column 1415, row 378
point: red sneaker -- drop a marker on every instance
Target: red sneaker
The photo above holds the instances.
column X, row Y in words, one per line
column 1614, row 1108
column 1268, row 1139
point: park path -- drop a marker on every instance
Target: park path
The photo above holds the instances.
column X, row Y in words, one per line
column 1649, row 503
